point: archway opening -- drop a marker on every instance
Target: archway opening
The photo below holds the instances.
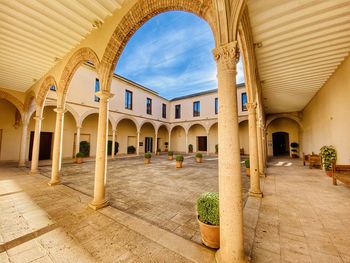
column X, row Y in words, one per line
column 178, row 143
column 197, row 138
column 147, row 138
column 163, row 138
column 126, row 137
column 280, row 141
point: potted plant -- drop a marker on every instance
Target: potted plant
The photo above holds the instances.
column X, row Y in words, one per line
column 148, row 157
column 247, row 167
column 84, row 147
column 199, row 157
column 190, row 148
column 79, row 157
column 328, row 155
column 208, row 219
column 131, row 149
column 294, row 149
column 158, row 151
column 179, row 160
column 170, row 155
column 216, row 148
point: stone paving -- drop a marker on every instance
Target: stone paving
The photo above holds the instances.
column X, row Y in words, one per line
column 158, row 193
column 302, row 217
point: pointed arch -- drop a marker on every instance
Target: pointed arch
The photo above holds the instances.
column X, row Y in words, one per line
column 44, row 88
column 12, row 99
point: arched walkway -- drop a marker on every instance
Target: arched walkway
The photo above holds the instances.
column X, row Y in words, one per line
column 127, row 136
column 244, row 136
column 178, row 144
column 213, row 138
column 147, row 137
column 197, row 137
column 163, row 138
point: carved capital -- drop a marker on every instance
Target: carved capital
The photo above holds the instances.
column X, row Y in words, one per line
column 104, row 95
column 227, row 56
column 60, row 110
column 251, row 106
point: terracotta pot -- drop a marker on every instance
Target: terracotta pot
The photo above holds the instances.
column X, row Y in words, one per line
column 199, row 160
column 329, row 173
column 170, row 157
column 178, row 164
column 79, row 160
column 157, row 153
column 247, row 171
column 147, row 161
column 210, row 234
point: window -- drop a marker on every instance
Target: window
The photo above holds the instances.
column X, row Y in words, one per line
column 128, row 99
column 196, row 109
column 53, row 88
column 244, row 101
column 177, row 111
column 164, row 110
column 216, row 106
column 97, row 88
column 149, row 106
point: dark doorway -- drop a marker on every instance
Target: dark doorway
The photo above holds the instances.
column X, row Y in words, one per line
column 280, row 142
column 148, row 144
column 45, row 145
column 202, row 143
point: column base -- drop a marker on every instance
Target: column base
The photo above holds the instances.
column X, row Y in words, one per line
column 52, row 183
column 96, row 206
column 219, row 259
column 255, row 194
column 36, row 172
column 21, row 165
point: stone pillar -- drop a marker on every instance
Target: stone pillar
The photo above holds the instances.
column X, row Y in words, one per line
column 100, row 200
column 138, row 143
column 77, row 142
column 260, row 150
column 113, row 143
column 230, row 178
column 57, row 147
column 169, row 141
column 253, row 152
column 36, row 142
column 186, row 141
column 22, row 154
column 156, row 142
column 207, row 143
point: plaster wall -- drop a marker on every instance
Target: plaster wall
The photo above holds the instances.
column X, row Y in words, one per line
column 178, row 139
column 125, row 129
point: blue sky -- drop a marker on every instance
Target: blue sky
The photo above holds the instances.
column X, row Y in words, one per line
column 172, row 54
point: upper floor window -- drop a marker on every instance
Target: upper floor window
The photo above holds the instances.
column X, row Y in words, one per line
column 177, row 111
column 53, row 88
column 164, row 110
column 244, row 101
column 97, row 88
column 128, row 99
column 196, row 109
column 216, row 106
column 149, row 106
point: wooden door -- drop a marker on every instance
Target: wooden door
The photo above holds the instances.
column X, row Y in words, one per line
column 45, row 145
column 202, row 143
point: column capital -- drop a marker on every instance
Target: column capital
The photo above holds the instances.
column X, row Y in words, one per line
column 251, row 106
column 78, row 127
column 38, row 118
column 104, row 95
column 227, row 56
column 60, row 110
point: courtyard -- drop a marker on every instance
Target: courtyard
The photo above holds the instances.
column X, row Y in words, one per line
column 158, row 193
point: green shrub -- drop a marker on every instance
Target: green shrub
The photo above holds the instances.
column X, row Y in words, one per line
column 199, row 155
column 131, row 149
column 247, row 163
column 148, row 155
column 208, row 208
column 328, row 154
column 294, row 145
column 179, row 158
column 80, row 155
column 84, row 147
column 216, row 148
column 170, row 153
column 190, row 148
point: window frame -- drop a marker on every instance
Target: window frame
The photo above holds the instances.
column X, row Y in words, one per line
column 164, row 111
column 97, row 89
column 244, row 105
column 178, row 109
column 196, row 108
column 216, row 106
column 128, row 105
column 149, row 106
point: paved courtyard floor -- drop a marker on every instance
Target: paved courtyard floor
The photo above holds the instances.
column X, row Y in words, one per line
column 158, row 192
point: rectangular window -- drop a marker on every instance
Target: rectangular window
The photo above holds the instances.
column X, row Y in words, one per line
column 216, row 106
column 97, row 88
column 128, row 99
column 164, row 110
column 149, row 106
column 177, row 111
column 244, row 101
column 53, row 88
column 196, row 109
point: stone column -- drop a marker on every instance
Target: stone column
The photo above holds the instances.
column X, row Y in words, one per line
column 260, row 150
column 230, row 178
column 22, row 154
column 156, row 142
column 138, row 143
column 113, row 143
column 57, row 147
column 169, row 141
column 36, row 142
column 77, row 142
column 253, row 152
column 186, row 141
column 100, row 200
column 207, row 143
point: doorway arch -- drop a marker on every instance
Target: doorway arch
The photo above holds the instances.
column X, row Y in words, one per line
column 280, row 143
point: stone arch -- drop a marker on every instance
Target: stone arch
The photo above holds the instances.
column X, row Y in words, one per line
column 12, row 99
column 150, row 122
column 205, row 127
column 140, row 13
column 44, row 88
column 67, row 107
column 163, row 125
column 211, row 125
column 76, row 60
column 128, row 118
column 271, row 118
column 93, row 111
column 177, row 125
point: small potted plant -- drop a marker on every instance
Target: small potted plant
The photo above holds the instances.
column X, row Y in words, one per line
column 148, row 157
column 158, row 151
column 79, row 157
column 329, row 155
column 190, row 148
column 199, row 157
column 179, row 161
column 247, row 167
column 216, row 148
column 131, row 149
column 170, row 155
column 208, row 219
column 294, row 149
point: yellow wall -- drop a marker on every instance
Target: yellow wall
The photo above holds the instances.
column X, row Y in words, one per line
column 194, row 131
column 178, row 141
column 325, row 118
column 126, row 128
column 213, row 138
column 244, row 136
